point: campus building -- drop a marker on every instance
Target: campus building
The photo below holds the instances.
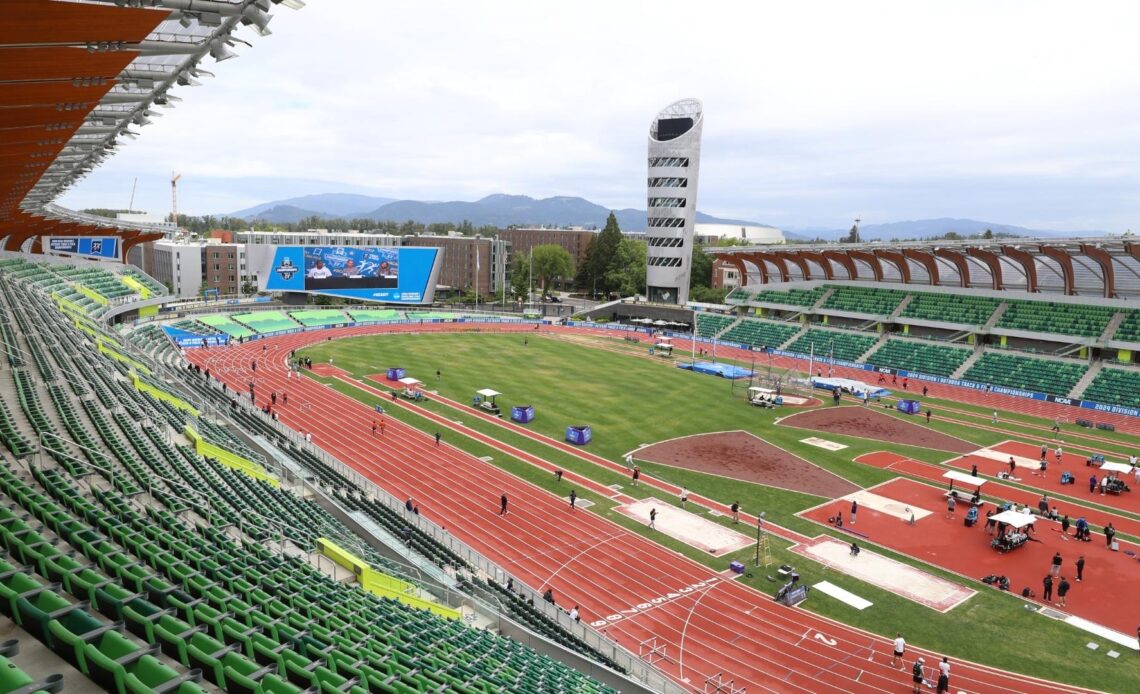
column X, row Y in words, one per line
column 674, row 163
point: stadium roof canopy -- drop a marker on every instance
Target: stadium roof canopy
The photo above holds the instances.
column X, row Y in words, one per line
column 1102, row 267
column 78, row 77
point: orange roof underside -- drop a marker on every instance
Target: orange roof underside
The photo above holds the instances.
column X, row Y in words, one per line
column 49, row 83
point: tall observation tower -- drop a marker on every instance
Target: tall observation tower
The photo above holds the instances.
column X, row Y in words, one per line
column 674, row 162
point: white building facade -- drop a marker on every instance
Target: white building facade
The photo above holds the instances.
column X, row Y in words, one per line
column 674, row 163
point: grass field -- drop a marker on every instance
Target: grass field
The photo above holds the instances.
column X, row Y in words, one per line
column 629, row 399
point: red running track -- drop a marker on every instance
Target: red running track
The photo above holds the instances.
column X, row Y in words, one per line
column 945, row 541
column 640, row 589
column 997, row 489
column 1051, row 481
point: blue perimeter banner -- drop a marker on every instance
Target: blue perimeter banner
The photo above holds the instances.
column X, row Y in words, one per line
column 393, row 275
column 93, row 246
column 185, row 338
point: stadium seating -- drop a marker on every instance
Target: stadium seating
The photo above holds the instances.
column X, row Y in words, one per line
column 761, row 333
column 15, row 680
column 370, row 315
column 173, row 556
column 317, row 318
column 225, row 325
column 740, row 294
column 1052, row 317
column 794, row 297
column 432, row 315
column 1129, row 330
column 879, row 302
column 938, row 360
column 266, row 322
column 709, row 324
column 847, row 346
column 1114, row 387
column 951, row 308
column 1026, row 373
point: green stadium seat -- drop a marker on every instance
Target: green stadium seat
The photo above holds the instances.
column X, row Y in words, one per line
column 951, row 308
column 760, row 333
column 1053, row 317
column 825, row 343
column 923, row 357
column 1026, row 373
column 872, row 300
column 1114, row 387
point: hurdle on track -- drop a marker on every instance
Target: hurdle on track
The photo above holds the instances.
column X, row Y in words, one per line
column 649, row 650
column 717, row 685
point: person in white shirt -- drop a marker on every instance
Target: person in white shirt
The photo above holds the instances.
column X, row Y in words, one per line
column 319, row 272
column 900, row 650
column 574, row 614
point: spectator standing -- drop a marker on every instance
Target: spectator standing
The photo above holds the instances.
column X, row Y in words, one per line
column 1062, row 591
column 573, row 499
column 1047, row 588
column 899, row 652
column 854, row 510
column 1055, row 567
column 1080, row 568
column 653, row 517
column 1109, row 533
column 503, row 504
column 944, row 675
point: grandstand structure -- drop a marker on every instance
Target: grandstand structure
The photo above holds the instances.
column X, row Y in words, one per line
column 1047, row 319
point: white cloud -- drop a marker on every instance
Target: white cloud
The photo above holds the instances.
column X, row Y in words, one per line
column 813, row 110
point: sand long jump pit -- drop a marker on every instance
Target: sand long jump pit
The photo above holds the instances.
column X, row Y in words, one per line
column 687, row 527
column 901, row 579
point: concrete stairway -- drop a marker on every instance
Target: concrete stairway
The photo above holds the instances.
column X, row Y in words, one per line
column 1087, row 379
column 969, row 362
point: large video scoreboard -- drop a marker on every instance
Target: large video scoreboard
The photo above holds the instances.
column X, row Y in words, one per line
column 395, row 275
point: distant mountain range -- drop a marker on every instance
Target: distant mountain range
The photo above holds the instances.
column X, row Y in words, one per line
column 927, row 228
column 504, row 210
column 498, row 210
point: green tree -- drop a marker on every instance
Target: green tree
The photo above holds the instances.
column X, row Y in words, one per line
column 520, row 274
column 627, row 269
column 701, row 268
column 551, row 262
column 600, row 258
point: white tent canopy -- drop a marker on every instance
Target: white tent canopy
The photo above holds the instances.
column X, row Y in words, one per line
column 488, row 393
column 1014, row 519
column 410, row 382
column 955, row 476
column 1116, row 467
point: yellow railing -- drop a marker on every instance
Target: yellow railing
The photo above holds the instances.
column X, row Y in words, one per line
column 136, row 286
column 380, row 583
column 103, row 348
column 160, row 394
column 228, row 458
column 93, row 295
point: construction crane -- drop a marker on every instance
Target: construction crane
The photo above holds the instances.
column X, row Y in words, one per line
column 174, row 196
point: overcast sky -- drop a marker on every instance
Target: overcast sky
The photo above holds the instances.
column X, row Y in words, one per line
column 1022, row 113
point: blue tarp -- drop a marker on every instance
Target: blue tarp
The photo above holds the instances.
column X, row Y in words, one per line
column 714, row 369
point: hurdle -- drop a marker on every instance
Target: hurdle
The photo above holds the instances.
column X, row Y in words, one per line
column 717, row 685
column 650, row 649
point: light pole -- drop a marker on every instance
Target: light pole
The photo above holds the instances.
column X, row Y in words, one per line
column 530, row 277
